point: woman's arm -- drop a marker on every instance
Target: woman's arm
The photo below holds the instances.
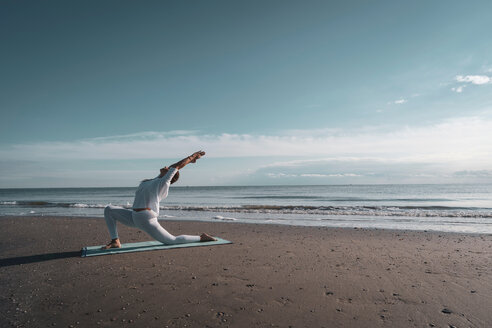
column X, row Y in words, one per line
column 190, row 159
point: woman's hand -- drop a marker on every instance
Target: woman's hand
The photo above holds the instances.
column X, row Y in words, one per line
column 197, row 155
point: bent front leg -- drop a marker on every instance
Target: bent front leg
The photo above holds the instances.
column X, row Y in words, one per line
column 116, row 213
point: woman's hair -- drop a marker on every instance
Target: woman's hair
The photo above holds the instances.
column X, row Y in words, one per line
column 175, row 177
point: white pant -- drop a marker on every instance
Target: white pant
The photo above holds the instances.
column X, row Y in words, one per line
column 143, row 220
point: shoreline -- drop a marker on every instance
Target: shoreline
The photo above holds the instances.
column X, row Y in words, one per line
column 177, row 219
column 272, row 275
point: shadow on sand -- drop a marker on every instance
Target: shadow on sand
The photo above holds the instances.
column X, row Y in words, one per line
column 37, row 258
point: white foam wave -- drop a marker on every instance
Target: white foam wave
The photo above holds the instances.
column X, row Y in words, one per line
column 81, row 205
column 380, row 211
column 339, row 211
column 223, row 218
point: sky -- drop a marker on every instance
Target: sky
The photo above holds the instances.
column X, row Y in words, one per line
column 104, row 93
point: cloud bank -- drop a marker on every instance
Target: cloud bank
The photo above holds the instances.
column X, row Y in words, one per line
column 459, row 139
column 437, row 150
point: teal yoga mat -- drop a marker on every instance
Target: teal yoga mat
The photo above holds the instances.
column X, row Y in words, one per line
column 145, row 246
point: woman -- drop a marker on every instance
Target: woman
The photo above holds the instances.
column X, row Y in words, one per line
column 145, row 209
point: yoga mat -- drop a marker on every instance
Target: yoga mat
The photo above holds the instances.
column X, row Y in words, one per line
column 145, row 246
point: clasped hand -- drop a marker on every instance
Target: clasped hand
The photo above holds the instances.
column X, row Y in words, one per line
column 197, row 155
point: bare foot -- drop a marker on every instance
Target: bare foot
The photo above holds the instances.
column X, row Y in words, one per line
column 206, row 237
column 114, row 243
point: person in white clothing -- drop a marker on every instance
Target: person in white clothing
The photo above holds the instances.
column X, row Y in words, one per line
column 145, row 209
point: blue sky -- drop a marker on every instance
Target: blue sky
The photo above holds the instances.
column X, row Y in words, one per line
column 103, row 93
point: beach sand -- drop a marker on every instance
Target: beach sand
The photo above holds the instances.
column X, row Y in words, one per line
column 272, row 276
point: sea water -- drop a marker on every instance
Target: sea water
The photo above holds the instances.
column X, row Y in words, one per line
column 448, row 208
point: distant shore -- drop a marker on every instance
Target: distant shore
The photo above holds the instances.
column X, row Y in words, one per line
column 272, row 276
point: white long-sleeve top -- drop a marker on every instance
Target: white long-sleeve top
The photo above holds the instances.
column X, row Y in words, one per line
column 149, row 193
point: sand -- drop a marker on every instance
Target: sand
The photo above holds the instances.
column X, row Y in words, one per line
column 272, row 276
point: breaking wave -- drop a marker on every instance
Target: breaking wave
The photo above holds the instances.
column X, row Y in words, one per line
column 413, row 211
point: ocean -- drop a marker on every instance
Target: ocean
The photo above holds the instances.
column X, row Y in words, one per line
column 448, row 208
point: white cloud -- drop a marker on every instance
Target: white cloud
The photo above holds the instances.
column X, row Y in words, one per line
column 147, row 135
column 314, row 175
column 324, row 161
column 474, row 79
column 400, row 101
column 474, row 173
column 471, row 79
column 311, row 175
column 458, row 89
column 460, row 139
column 336, row 175
column 281, row 175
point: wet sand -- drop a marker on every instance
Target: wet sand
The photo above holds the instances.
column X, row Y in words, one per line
column 272, row 276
